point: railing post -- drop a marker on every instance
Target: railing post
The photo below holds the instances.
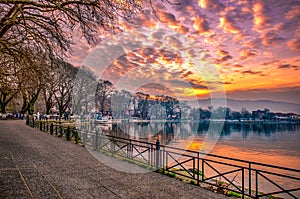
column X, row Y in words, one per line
column 41, row 127
column 112, row 145
column 194, row 168
column 243, row 183
column 96, row 140
column 163, row 158
column 61, row 131
column 68, row 133
column 250, row 191
column 202, row 178
column 51, row 129
column 76, row 136
column 256, row 184
column 27, row 120
column 128, row 149
column 157, row 154
column 198, row 165
column 56, row 130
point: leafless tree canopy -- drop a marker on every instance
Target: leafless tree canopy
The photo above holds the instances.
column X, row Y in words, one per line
column 48, row 25
column 34, row 34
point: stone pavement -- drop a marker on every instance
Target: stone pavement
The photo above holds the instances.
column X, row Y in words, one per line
column 38, row 165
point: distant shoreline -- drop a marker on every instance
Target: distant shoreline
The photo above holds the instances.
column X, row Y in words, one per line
column 217, row 120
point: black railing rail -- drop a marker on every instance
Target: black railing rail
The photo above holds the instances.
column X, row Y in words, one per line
column 168, row 158
column 60, row 130
column 227, row 175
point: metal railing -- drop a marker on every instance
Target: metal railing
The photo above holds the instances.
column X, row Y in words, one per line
column 60, row 130
column 225, row 175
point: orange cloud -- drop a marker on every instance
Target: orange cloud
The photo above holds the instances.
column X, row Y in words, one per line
column 261, row 20
column 229, row 26
column 270, row 38
column 293, row 13
column 172, row 22
column 210, row 4
column 201, row 25
column 294, row 44
column 248, row 53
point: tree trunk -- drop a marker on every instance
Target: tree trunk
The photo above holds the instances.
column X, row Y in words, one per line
column 3, row 107
column 24, row 106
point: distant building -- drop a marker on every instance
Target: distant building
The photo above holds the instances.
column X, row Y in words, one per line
column 287, row 116
column 260, row 114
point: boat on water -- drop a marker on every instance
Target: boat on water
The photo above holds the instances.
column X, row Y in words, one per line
column 99, row 119
column 104, row 121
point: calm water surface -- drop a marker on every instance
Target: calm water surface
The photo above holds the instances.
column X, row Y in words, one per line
column 269, row 143
column 273, row 143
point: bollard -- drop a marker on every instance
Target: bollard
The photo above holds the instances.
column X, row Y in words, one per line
column 157, row 154
column 32, row 122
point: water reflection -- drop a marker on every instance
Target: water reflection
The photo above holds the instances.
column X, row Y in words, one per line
column 269, row 143
column 168, row 132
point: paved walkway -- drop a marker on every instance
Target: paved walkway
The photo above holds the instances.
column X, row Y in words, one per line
column 38, row 165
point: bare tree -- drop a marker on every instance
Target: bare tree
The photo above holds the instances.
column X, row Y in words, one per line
column 50, row 25
column 35, row 30
column 103, row 94
column 9, row 84
column 83, row 95
column 32, row 80
column 66, row 74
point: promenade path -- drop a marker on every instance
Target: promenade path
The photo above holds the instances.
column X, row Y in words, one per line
column 38, row 165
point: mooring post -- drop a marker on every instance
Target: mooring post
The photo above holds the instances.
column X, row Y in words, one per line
column 157, row 154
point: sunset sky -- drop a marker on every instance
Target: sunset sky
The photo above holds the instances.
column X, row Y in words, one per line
column 254, row 45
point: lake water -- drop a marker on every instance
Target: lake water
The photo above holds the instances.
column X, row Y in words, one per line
column 269, row 143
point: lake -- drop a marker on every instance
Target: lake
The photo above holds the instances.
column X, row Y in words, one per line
column 269, row 143
column 279, row 142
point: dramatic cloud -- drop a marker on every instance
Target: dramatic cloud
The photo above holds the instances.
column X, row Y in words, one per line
column 251, row 72
column 172, row 22
column 260, row 18
column 270, row 38
column 238, row 66
column 252, row 44
column 224, row 56
column 211, row 4
column 293, row 13
column 286, row 66
column 294, row 44
column 248, row 53
column 201, row 25
column 228, row 25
